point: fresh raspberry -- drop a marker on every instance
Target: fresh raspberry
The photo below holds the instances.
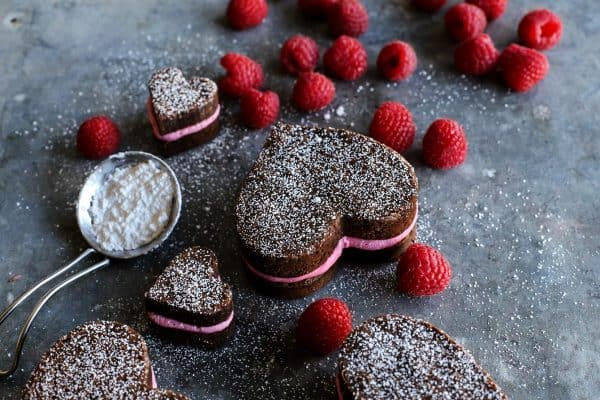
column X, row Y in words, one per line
column 346, row 58
column 299, row 54
column 540, row 29
column 464, row 21
column 429, row 5
column 423, row 271
column 243, row 73
column 313, row 91
column 98, row 137
column 244, row 14
column 445, row 144
column 393, row 125
column 348, row 17
column 476, row 56
column 397, row 61
column 493, row 9
column 316, row 8
column 259, row 109
column 324, row 325
column 522, row 68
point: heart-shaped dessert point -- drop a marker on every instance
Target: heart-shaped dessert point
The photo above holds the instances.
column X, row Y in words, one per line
column 98, row 360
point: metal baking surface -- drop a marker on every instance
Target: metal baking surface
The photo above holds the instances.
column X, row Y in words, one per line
column 518, row 221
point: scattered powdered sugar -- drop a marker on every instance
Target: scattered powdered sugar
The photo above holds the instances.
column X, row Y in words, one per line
column 132, row 207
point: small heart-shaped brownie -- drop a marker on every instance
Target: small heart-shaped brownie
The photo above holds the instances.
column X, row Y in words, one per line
column 314, row 192
column 182, row 113
column 189, row 300
column 97, row 360
column 398, row 357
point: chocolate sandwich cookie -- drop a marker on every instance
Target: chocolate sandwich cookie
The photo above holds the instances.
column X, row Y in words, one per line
column 314, row 192
column 183, row 113
column 190, row 302
column 397, row 357
column 98, row 360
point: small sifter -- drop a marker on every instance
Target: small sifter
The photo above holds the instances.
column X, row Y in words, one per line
column 92, row 185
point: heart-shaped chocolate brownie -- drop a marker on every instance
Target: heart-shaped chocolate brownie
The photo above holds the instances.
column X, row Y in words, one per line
column 314, row 192
column 98, row 360
column 190, row 301
column 398, row 357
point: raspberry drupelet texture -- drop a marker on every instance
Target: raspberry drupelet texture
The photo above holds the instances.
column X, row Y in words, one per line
column 397, row 61
column 299, row 54
column 429, row 5
column 316, row 8
column 346, row 58
column 393, row 126
column 445, row 144
column 324, row 325
column 522, row 68
column 259, row 109
column 243, row 73
column 423, row 271
column 244, row 14
column 476, row 56
column 540, row 29
column 313, row 91
column 493, row 9
column 98, row 137
column 348, row 17
column 464, row 21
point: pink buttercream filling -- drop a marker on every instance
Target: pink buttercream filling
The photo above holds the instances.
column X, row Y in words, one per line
column 169, row 323
column 176, row 135
column 344, row 243
column 154, row 383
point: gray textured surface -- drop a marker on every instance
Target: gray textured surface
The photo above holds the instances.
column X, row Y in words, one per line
column 519, row 221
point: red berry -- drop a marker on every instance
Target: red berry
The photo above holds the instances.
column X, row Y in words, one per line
column 540, row 29
column 445, row 144
column 522, row 68
column 346, row 58
column 243, row 73
column 397, row 61
column 316, row 8
column 423, row 271
column 98, row 137
column 259, row 109
column 429, row 5
column 299, row 54
column 393, row 125
column 493, row 9
column 476, row 56
column 464, row 21
column 324, row 325
column 244, row 14
column 348, row 17
column 313, row 91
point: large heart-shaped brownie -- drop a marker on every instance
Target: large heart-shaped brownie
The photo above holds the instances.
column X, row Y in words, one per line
column 97, row 360
column 398, row 357
column 315, row 191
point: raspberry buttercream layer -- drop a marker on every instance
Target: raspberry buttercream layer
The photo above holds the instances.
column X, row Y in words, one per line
column 344, row 243
column 181, row 133
column 169, row 323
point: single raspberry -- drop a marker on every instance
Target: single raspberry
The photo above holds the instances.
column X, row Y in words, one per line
column 540, row 29
column 423, row 271
column 429, row 5
column 244, row 14
column 445, row 144
column 299, row 54
column 346, row 58
column 98, row 137
column 324, row 325
column 464, row 21
column 313, row 91
column 316, row 8
column 393, row 125
column 522, row 68
column 259, row 109
column 348, row 17
column 476, row 56
column 493, row 9
column 242, row 73
column 397, row 61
